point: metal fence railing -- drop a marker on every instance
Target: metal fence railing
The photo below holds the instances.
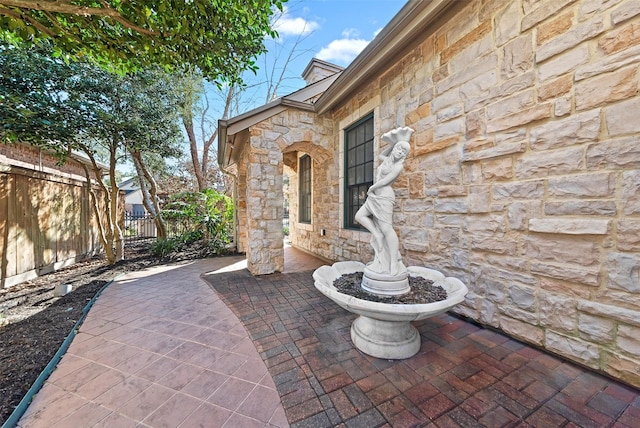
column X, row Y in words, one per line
column 138, row 227
column 142, row 227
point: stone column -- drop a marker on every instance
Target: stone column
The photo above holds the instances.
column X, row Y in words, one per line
column 265, row 250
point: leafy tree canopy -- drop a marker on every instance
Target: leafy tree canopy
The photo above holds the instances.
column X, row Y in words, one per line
column 64, row 107
column 219, row 37
column 33, row 99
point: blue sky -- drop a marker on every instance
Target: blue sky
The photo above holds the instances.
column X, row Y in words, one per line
column 335, row 31
column 332, row 30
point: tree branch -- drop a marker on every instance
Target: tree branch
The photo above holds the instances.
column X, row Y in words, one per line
column 60, row 7
column 27, row 18
column 71, row 9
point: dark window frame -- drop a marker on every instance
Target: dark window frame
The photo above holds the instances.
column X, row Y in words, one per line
column 358, row 168
column 304, row 189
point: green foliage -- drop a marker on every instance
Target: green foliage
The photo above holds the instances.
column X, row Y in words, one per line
column 220, row 37
column 196, row 216
column 192, row 236
column 77, row 106
column 34, row 99
column 163, row 247
column 204, row 215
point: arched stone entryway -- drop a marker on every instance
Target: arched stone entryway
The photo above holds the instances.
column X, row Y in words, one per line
column 265, row 198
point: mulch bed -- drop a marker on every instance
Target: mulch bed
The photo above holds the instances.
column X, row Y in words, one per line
column 34, row 323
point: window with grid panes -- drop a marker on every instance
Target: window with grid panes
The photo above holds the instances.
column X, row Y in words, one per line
column 304, row 193
column 358, row 160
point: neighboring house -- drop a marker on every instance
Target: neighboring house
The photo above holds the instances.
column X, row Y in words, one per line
column 133, row 205
column 137, row 223
column 524, row 175
column 46, row 217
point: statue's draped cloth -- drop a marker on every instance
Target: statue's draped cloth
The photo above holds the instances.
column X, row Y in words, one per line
column 381, row 207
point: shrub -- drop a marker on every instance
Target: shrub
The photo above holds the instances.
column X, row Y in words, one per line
column 163, row 247
column 206, row 215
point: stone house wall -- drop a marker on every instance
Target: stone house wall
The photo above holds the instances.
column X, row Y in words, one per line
column 524, row 175
column 274, row 143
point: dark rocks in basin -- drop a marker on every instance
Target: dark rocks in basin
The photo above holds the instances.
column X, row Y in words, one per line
column 422, row 290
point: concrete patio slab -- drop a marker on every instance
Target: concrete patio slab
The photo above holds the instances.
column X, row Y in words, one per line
column 160, row 349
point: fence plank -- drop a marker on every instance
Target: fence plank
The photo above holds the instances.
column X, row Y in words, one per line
column 12, row 240
column 47, row 230
column 4, row 223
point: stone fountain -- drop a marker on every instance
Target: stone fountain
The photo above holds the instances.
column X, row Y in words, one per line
column 384, row 330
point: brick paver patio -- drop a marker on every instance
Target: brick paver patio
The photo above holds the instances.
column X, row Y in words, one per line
column 160, row 349
column 464, row 375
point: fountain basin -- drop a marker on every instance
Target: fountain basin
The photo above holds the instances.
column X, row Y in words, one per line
column 384, row 330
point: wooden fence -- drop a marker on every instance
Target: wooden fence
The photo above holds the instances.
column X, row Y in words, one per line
column 46, row 222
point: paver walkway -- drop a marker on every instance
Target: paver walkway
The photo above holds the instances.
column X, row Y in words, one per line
column 160, row 348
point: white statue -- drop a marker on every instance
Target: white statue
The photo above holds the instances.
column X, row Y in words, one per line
column 377, row 212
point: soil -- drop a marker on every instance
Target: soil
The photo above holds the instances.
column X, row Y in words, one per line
column 422, row 290
column 34, row 322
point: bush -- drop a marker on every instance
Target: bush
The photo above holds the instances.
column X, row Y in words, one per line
column 206, row 215
column 163, row 247
column 192, row 236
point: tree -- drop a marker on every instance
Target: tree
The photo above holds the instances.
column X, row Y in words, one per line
column 135, row 116
column 221, row 38
column 106, row 116
column 31, row 84
column 199, row 116
column 200, row 129
column 154, row 136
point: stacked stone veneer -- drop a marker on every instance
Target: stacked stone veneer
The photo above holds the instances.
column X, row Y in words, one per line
column 272, row 143
column 524, row 176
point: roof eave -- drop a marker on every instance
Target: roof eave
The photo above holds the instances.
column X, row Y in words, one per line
column 404, row 27
column 228, row 127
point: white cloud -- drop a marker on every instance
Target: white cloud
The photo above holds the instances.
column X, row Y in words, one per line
column 287, row 25
column 342, row 51
column 350, row 33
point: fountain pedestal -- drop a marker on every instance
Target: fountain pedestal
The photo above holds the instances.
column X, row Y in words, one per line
column 391, row 340
column 385, row 285
column 384, row 330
